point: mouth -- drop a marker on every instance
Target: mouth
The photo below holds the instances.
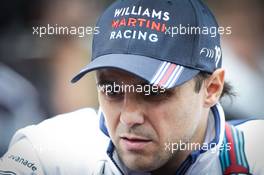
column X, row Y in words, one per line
column 134, row 143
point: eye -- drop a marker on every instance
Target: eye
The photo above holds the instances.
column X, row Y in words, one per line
column 156, row 93
column 111, row 91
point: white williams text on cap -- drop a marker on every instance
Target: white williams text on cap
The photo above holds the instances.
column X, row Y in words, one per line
column 144, row 12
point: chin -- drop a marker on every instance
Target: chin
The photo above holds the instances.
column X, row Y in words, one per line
column 140, row 168
column 139, row 163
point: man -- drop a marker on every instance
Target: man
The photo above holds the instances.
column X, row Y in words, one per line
column 159, row 110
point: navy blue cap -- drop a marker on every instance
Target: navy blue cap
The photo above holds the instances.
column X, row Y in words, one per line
column 165, row 42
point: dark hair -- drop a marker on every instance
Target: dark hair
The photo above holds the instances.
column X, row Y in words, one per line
column 199, row 79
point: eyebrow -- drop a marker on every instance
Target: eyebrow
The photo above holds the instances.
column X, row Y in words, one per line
column 105, row 82
column 107, row 79
column 111, row 82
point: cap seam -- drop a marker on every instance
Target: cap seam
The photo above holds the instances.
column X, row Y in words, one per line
column 130, row 40
column 209, row 11
column 197, row 38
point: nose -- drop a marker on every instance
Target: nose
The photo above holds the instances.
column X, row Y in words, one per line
column 132, row 112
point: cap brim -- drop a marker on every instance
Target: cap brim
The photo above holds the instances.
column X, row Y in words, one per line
column 155, row 72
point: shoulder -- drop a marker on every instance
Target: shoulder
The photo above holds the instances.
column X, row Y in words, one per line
column 71, row 141
column 253, row 143
column 78, row 126
column 253, row 134
column 250, row 124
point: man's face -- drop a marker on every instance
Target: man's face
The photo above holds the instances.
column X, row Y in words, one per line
column 141, row 125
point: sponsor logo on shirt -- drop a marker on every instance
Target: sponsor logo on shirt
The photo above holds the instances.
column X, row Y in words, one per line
column 23, row 162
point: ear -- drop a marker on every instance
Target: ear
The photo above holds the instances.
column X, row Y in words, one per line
column 213, row 87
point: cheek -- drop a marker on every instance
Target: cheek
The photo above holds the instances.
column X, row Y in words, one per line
column 178, row 119
column 189, row 116
column 165, row 121
column 111, row 112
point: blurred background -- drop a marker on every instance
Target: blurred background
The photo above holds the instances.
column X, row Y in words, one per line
column 35, row 72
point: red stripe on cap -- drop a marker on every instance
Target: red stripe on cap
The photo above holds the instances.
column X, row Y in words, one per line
column 167, row 74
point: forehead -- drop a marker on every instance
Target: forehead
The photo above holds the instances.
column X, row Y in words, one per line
column 118, row 75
